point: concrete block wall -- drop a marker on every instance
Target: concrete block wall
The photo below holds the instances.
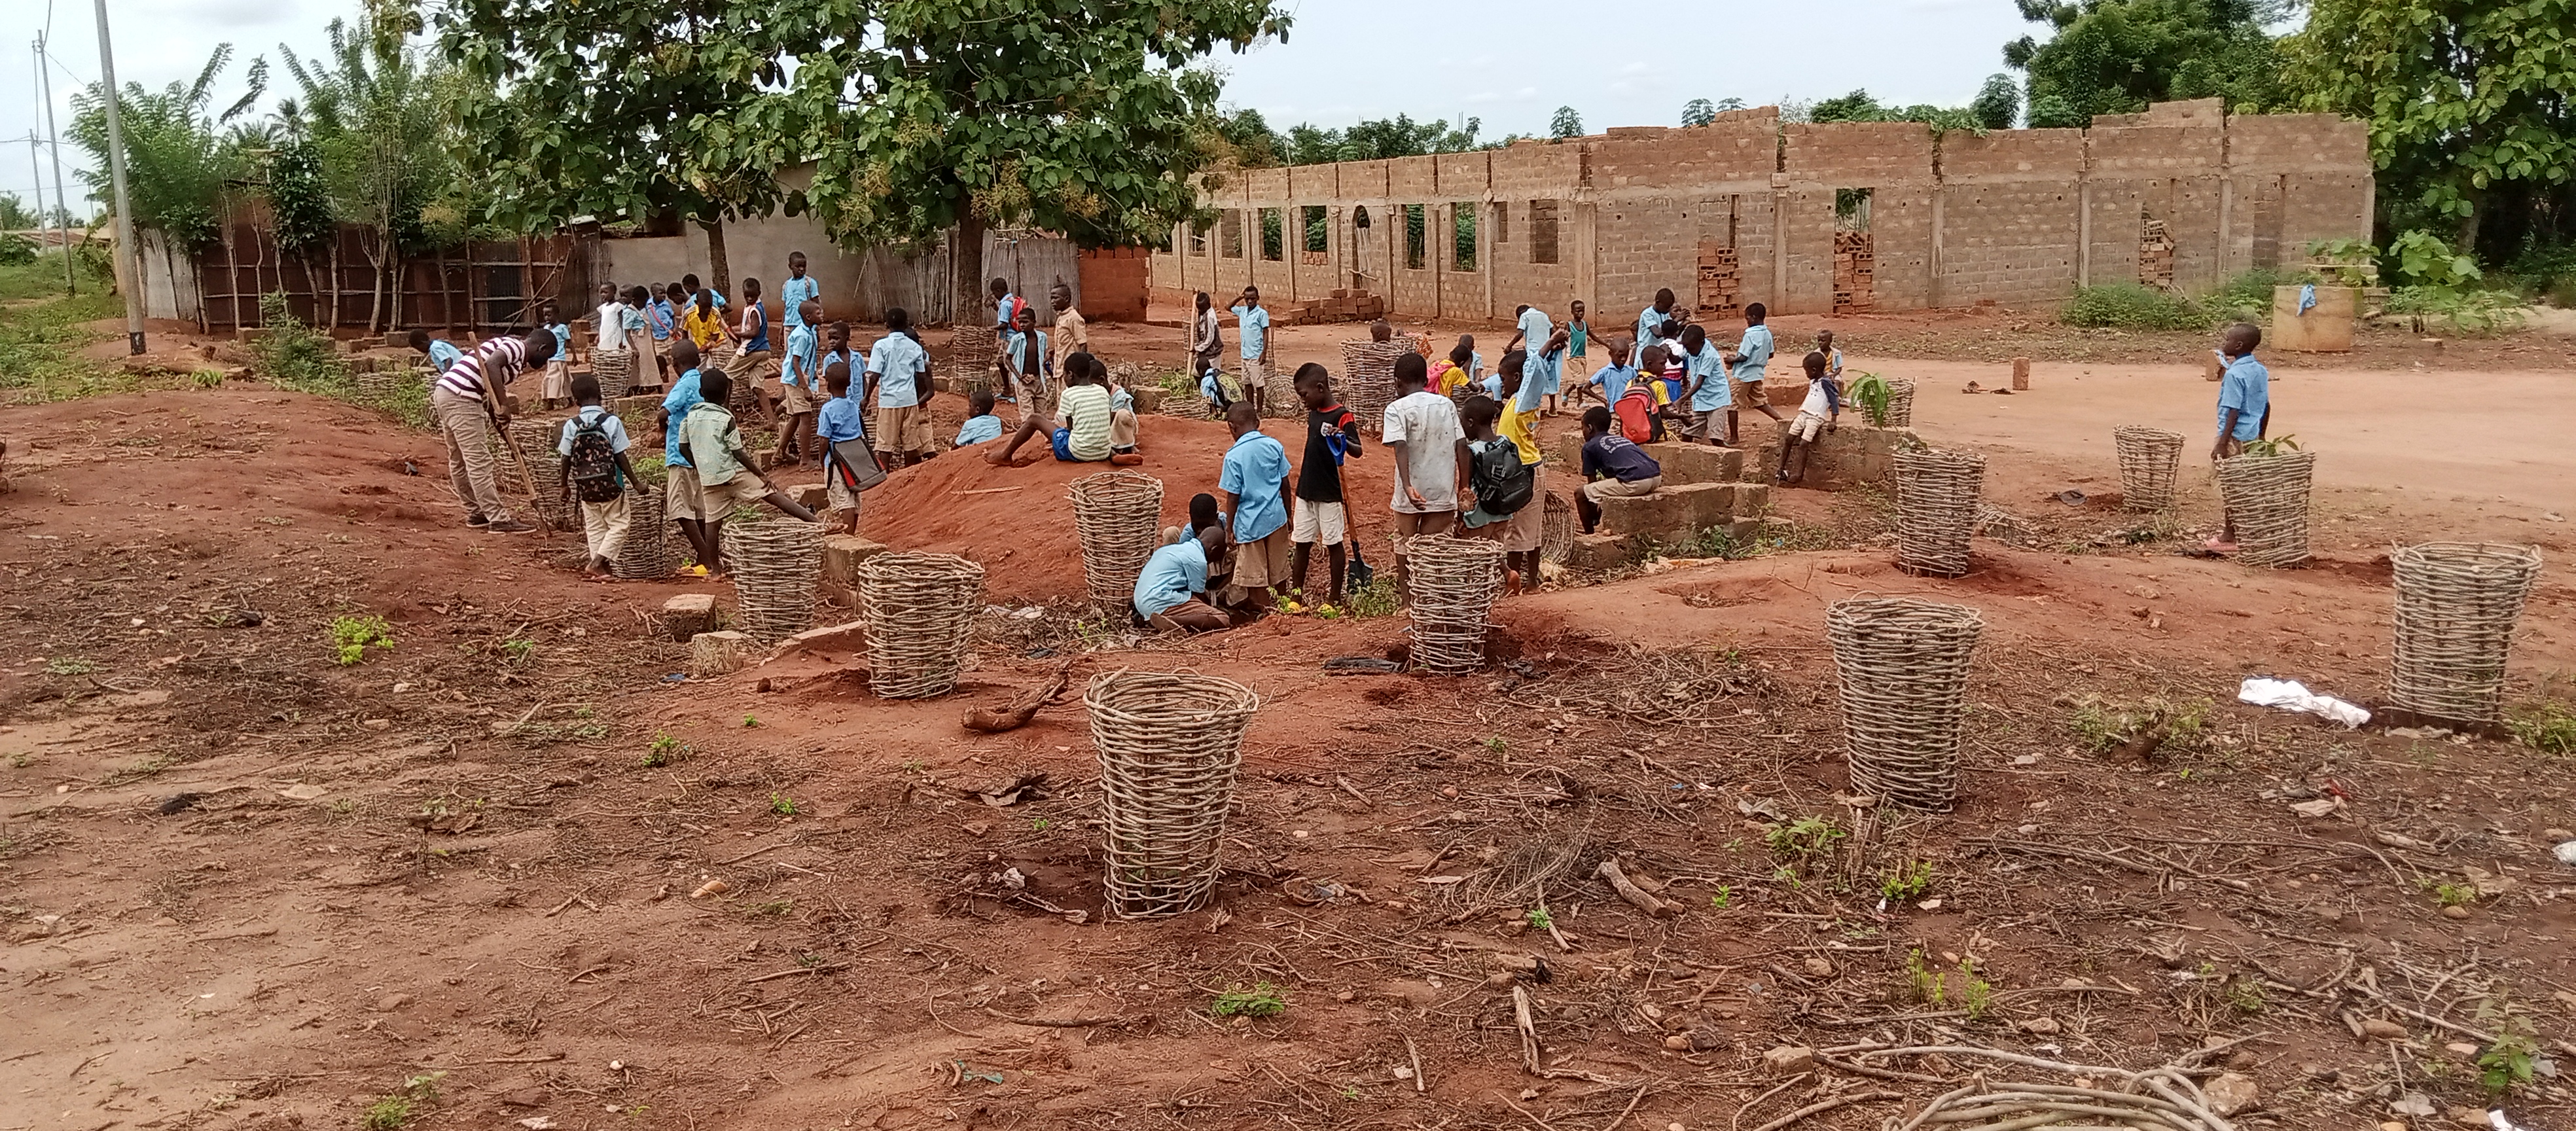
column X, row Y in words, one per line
column 2016, row 216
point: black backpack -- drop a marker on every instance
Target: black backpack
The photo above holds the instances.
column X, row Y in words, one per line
column 1503, row 483
column 593, row 463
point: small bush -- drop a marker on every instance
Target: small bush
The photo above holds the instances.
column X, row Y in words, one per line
column 293, row 355
column 352, row 636
column 2131, row 306
column 2248, row 296
column 15, row 250
column 1261, row 1000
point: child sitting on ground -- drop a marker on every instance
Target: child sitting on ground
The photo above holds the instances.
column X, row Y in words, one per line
column 1085, row 425
column 725, row 477
column 1612, row 468
column 981, row 426
column 593, row 447
column 842, row 428
column 1817, row 414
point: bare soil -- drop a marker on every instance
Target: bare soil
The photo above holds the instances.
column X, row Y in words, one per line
column 244, row 885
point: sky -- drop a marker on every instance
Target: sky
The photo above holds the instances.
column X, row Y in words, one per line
column 1510, row 63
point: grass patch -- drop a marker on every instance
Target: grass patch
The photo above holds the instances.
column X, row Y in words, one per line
column 1260, row 1000
column 2142, row 727
column 352, row 636
column 2549, row 728
column 2132, row 306
column 293, row 355
column 396, row 1110
column 41, row 337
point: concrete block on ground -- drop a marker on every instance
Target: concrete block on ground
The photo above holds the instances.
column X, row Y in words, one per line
column 1149, row 398
column 843, row 554
column 850, row 636
column 397, row 339
column 1671, row 512
column 689, row 614
column 1752, row 500
column 718, row 653
column 838, row 595
column 248, row 335
column 1689, row 462
column 1598, row 551
column 812, row 495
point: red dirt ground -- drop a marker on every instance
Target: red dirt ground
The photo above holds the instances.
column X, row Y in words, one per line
column 494, row 884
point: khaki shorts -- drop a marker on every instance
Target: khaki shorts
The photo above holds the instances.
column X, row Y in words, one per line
column 838, row 496
column 902, row 429
column 1410, row 523
column 753, row 364
column 793, row 399
column 1527, row 526
column 721, row 500
column 1807, row 426
column 680, row 494
column 1263, row 563
column 1600, row 489
column 1748, row 394
column 1707, row 424
column 1312, row 522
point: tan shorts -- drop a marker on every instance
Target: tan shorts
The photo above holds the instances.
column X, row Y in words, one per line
column 680, row 494
column 1527, row 526
column 753, row 365
column 718, row 502
column 903, row 429
column 1748, row 394
column 838, row 496
column 1264, row 563
column 1310, row 523
column 1807, row 426
column 794, row 400
column 1600, row 489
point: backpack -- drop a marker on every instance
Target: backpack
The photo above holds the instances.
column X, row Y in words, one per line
column 1639, row 426
column 593, row 463
column 1503, row 483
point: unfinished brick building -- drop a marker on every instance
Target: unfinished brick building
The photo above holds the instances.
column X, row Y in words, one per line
column 1805, row 218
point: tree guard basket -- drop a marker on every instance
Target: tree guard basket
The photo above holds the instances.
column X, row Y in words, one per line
column 2456, row 607
column 1118, row 516
column 1936, row 510
column 647, row 552
column 2163, row 1099
column 535, row 441
column 2267, row 497
column 1368, row 380
column 774, row 563
column 2149, row 459
column 1453, row 582
column 1900, row 403
column 615, row 370
column 1556, row 532
column 1169, row 747
column 1903, row 667
column 972, row 356
column 920, row 609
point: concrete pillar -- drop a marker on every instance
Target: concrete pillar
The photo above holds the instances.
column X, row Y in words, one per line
column 1587, row 255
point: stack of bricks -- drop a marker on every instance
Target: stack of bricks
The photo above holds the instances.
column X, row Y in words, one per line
column 1342, row 306
column 1855, row 272
column 1720, row 287
column 2155, row 255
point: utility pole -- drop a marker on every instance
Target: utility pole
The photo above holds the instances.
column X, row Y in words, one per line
column 125, row 249
column 54, row 142
column 34, row 167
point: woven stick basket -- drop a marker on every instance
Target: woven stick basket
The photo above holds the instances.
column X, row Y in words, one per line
column 774, row 563
column 2267, row 496
column 2149, row 459
column 1903, row 666
column 647, row 552
column 972, row 355
column 1454, row 581
column 2456, row 607
column 615, row 370
column 1936, row 510
column 535, row 442
column 1900, row 403
column 1118, row 516
column 1556, row 531
column 2159, row 1100
column 1368, row 380
column 921, row 610
column 1169, row 747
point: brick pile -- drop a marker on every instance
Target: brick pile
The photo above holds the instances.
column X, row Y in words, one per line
column 1855, row 272
column 2155, row 255
column 1721, row 283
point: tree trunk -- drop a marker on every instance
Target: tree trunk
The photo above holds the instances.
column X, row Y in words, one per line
column 719, row 273
column 375, row 283
column 966, row 271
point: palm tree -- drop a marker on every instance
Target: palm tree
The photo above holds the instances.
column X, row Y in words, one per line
column 372, row 109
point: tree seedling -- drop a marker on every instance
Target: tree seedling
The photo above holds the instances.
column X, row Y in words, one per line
column 352, row 636
column 664, row 751
column 1260, row 1000
column 782, row 805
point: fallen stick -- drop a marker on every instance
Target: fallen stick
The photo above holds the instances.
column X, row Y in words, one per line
column 1529, row 1032
column 1633, row 1101
column 1823, row 1106
column 755, row 852
column 1609, row 870
column 1415, row 1055
column 1020, row 709
column 823, row 969
column 1049, row 1023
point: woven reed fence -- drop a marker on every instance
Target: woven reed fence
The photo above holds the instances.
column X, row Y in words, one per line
column 1118, row 517
column 1169, row 747
column 2267, row 498
column 1936, row 510
column 2456, row 607
column 1454, row 581
column 921, row 610
column 1903, row 667
column 2150, row 458
column 775, row 563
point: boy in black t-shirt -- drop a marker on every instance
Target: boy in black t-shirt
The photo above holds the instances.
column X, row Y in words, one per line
column 1317, row 514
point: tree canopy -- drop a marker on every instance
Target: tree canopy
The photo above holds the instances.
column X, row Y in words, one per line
column 1565, row 123
column 1255, row 145
column 2116, row 56
column 2472, row 109
column 177, row 152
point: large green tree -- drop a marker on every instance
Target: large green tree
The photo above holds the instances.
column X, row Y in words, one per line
column 177, row 151
column 2116, row 56
column 370, row 121
column 2472, row 109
